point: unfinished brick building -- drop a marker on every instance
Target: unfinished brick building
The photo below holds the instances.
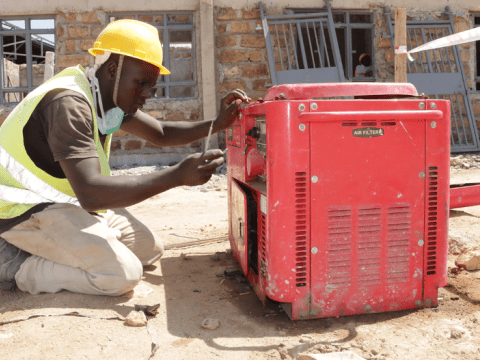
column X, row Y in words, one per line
column 216, row 46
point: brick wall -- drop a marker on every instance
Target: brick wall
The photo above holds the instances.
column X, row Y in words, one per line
column 243, row 62
column 241, row 52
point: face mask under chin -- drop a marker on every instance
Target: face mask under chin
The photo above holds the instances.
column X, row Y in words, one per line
column 111, row 122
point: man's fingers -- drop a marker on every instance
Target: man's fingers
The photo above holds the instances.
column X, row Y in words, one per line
column 211, row 154
column 234, row 95
column 212, row 165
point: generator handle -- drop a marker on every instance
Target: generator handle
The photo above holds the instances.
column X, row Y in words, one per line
column 371, row 115
column 464, row 196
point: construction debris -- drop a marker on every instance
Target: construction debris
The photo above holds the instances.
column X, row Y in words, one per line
column 150, row 310
column 469, row 260
column 73, row 313
column 342, row 355
column 136, row 318
column 210, row 324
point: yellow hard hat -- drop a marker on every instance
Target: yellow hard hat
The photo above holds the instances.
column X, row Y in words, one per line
column 131, row 38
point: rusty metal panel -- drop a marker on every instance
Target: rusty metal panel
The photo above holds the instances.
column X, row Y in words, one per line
column 439, row 74
column 302, row 48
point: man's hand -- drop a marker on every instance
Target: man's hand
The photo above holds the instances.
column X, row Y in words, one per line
column 229, row 108
column 197, row 169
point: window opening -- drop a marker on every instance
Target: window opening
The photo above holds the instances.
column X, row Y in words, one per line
column 23, row 45
column 177, row 34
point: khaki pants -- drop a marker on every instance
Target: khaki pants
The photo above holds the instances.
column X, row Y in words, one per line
column 84, row 253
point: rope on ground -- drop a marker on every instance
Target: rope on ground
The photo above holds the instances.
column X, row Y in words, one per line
column 155, row 339
column 73, row 313
column 196, row 243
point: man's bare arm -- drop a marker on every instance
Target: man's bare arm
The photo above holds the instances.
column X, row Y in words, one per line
column 177, row 133
column 96, row 192
column 166, row 133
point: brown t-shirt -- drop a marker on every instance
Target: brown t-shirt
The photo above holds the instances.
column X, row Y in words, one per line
column 60, row 128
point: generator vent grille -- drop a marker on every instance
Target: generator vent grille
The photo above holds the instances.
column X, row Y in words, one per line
column 263, row 236
column 301, row 230
column 339, row 246
column 432, row 220
column 398, row 242
column 369, row 244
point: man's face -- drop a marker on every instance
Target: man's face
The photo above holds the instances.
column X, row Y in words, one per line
column 136, row 84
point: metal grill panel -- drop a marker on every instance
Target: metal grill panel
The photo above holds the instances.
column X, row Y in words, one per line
column 369, row 244
column 302, row 48
column 440, row 75
column 263, row 236
column 339, row 246
column 432, row 220
column 301, row 230
column 398, row 242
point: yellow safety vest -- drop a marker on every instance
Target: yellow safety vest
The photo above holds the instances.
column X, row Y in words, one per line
column 22, row 184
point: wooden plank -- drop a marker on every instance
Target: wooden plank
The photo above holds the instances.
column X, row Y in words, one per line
column 400, row 41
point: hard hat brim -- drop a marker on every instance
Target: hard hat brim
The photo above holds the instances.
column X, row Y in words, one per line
column 98, row 51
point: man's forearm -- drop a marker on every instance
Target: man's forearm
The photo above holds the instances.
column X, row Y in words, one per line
column 95, row 191
column 167, row 133
column 110, row 192
column 179, row 133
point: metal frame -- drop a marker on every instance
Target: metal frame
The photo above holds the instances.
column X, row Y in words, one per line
column 348, row 26
column 28, row 33
column 477, row 60
column 306, row 75
column 166, row 45
column 442, row 76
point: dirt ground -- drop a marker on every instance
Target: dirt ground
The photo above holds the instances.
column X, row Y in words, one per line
column 186, row 284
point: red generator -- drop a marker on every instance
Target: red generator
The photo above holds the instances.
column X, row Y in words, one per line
column 339, row 197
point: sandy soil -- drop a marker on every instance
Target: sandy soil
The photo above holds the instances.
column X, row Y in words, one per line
column 186, row 284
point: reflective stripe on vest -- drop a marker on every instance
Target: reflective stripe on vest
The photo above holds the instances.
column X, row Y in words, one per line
column 22, row 183
column 36, row 190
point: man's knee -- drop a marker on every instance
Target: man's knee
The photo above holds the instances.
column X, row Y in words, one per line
column 152, row 253
column 120, row 278
column 159, row 247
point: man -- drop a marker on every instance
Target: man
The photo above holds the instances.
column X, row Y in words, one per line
column 55, row 187
column 365, row 67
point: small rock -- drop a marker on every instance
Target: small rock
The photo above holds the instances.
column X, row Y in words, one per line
column 282, row 350
column 342, row 355
column 215, row 258
column 210, row 324
column 457, row 332
column 327, row 324
column 456, row 161
column 305, row 339
column 374, row 352
column 469, row 260
column 457, row 242
column 136, row 318
column 197, row 291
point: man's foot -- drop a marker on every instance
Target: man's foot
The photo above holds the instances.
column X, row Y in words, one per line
column 11, row 258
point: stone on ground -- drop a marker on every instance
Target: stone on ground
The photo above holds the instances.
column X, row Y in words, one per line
column 342, row 355
column 136, row 318
column 210, row 324
column 469, row 260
